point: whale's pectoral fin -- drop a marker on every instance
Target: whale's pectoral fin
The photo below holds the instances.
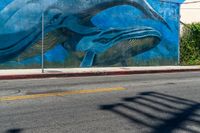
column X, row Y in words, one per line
column 88, row 59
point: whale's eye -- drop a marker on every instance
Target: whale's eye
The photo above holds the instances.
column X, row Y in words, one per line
column 111, row 32
column 52, row 15
column 32, row 1
column 102, row 40
column 55, row 17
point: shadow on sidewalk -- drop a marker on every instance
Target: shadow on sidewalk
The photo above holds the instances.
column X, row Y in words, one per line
column 159, row 113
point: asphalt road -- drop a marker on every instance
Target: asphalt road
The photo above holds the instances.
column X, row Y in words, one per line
column 149, row 103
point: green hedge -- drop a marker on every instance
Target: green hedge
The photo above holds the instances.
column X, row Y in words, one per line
column 190, row 45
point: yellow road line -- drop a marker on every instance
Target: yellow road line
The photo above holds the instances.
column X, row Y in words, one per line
column 64, row 93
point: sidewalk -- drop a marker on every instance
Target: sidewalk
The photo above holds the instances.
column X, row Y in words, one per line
column 80, row 72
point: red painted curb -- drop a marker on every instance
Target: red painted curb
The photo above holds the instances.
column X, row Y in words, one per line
column 84, row 74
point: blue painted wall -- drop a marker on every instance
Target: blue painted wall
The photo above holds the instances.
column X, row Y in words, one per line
column 89, row 33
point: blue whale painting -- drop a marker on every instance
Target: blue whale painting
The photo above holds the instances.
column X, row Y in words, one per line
column 89, row 32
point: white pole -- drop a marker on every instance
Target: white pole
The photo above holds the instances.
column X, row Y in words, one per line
column 42, row 42
column 179, row 37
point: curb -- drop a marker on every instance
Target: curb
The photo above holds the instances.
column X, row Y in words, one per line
column 85, row 74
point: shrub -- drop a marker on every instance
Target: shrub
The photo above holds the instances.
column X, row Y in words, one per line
column 190, row 45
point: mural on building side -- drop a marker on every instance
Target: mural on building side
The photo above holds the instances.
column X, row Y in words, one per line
column 89, row 33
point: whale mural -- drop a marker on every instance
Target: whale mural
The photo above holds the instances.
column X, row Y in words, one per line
column 88, row 33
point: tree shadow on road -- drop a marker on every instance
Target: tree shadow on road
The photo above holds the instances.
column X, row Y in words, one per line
column 160, row 113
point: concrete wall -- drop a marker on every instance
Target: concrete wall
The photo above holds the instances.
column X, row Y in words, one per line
column 89, row 33
column 190, row 12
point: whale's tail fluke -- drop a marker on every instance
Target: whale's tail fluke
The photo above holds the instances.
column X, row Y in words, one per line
column 140, row 4
column 149, row 11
